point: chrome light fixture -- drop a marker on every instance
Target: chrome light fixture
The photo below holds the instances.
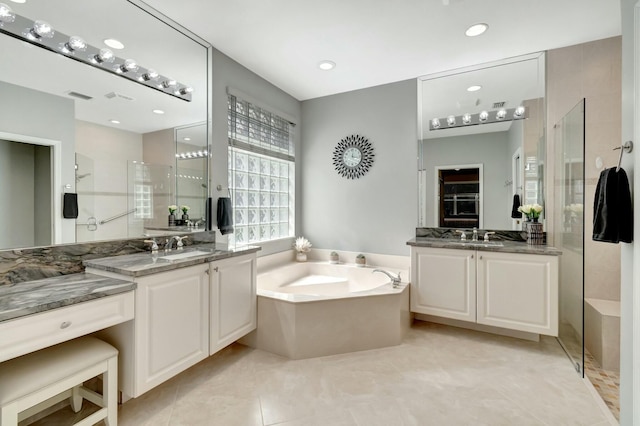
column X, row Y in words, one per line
column 40, row 33
column 484, row 117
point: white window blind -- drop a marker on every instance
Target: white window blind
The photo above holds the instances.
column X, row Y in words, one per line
column 261, row 173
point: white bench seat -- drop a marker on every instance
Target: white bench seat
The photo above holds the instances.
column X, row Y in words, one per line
column 33, row 382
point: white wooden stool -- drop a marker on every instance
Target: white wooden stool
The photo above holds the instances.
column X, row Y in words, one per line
column 38, row 380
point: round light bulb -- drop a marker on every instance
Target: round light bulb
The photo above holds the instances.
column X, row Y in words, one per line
column 168, row 83
column 151, row 74
column 42, row 29
column 519, row 112
column 435, row 123
column 466, row 119
column 500, row 115
column 76, row 43
column 6, row 15
column 484, row 116
column 105, row 55
column 451, row 121
column 327, row 65
column 128, row 65
column 474, row 88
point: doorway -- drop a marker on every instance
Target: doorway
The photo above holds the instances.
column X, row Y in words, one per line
column 459, row 195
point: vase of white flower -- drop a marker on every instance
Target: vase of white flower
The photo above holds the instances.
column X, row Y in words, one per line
column 302, row 246
column 185, row 216
column 535, row 235
column 172, row 215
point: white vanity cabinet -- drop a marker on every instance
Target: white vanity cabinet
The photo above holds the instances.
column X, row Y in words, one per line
column 233, row 300
column 509, row 290
column 518, row 291
column 443, row 283
column 170, row 331
column 172, row 324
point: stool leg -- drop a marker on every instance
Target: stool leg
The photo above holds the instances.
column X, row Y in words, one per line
column 110, row 391
column 76, row 399
column 9, row 416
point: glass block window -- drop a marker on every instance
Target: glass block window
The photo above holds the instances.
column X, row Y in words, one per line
column 261, row 174
column 142, row 192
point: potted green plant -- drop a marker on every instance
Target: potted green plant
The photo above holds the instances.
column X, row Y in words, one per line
column 185, row 209
column 361, row 260
column 172, row 214
column 334, row 257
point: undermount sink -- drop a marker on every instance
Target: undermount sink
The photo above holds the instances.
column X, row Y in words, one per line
column 185, row 255
column 478, row 243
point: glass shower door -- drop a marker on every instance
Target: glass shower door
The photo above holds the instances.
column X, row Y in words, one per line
column 569, row 230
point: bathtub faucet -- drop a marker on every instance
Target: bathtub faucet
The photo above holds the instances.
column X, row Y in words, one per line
column 395, row 279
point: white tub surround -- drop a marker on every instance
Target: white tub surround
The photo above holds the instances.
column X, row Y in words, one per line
column 313, row 309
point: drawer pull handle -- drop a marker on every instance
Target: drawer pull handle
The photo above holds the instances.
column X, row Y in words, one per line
column 65, row 324
column 215, row 269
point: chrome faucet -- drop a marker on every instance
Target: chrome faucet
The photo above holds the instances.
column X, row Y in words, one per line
column 395, row 279
column 475, row 234
column 486, row 235
column 168, row 243
column 179, row 244
column 154, row 245
column 463, row 236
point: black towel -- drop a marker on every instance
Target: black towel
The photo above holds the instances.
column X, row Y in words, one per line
column 225, row 215
column 515, row 214
column 70, row 206
column 612, row 212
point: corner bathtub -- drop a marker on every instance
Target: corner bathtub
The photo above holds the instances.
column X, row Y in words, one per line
column 313, row 309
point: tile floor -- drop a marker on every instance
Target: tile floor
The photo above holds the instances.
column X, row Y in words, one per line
column 440, row 375
column 606, row 382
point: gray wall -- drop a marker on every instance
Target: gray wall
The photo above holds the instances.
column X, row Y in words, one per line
column 489, row 149
column 17, row 193
column 229, row 73
column 37, row 114
column 43, row 187
column 378, row 212
column 630, row 257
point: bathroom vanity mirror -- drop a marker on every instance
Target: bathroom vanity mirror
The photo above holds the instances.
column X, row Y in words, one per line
column 69, row 127
column 481, row 143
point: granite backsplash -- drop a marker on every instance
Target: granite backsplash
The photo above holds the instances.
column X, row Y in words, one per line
column 27, row 264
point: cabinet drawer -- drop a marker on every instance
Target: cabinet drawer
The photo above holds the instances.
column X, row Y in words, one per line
column 30, row 333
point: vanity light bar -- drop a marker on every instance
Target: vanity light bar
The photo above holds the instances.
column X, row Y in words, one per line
column 76, row 48
column 193, row 154
column 483, row 117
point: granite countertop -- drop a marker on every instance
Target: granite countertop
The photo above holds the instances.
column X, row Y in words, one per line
column 141, row 264
column 26, row 298
column 505, row 247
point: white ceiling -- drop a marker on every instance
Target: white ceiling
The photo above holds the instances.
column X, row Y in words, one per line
column 375, row 42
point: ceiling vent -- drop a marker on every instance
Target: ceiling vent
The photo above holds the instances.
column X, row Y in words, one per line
column 79, row 95
column 114, row 95
column 499, row 104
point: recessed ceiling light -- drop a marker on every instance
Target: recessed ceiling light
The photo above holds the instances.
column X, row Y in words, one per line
column 113, row 43
column 473, row 88
column 19, row 1
column 187, row 139
column 114, row 121
column 158, row 111
column 476, row 30
column 326, row 65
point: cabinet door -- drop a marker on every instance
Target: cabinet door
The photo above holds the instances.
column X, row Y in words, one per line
column 233, row 300
column 443, row 283
column 172, row 324
column 518, row 291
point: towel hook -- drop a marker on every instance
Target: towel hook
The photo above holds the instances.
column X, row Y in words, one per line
column 625, row 147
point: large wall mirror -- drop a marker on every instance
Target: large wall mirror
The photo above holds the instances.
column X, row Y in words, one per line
column 127, row 150
column 482, row 144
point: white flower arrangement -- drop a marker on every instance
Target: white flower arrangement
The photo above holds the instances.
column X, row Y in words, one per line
column 532, row 211
column 185, row 209
column 302, row 245
column 172, row 209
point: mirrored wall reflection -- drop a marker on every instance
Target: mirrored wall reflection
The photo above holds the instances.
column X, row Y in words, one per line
column 192, row 153
column 569, row 231
column 510, row 149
